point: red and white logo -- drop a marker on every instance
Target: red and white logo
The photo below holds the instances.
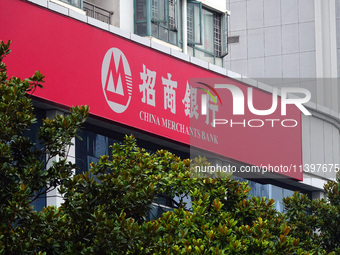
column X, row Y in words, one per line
column 116, row 80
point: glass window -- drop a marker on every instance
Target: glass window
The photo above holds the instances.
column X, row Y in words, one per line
column 141, row 10
column 206, row 29
column 172, row 15
column 76, row 3
column 91, row 148
column 258, row 189
column 207, row 33
column 217, row 35
column 140, row 17
column 157, row 18
column 40, row 202
column 141, row 28
column 156, row 211
column 194, row 22
column 277, row 195
column 159, row 10
column 270, row 191
column 164, row 204
column 224, row 34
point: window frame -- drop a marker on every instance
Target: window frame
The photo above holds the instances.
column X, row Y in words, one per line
column 223, row 51
column 72, row 2
column 199, row 4
column 164, row 25
column 224, row 34
column 163, row 31
column 165, row 14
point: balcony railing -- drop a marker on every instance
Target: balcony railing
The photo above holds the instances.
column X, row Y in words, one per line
column 97, row 12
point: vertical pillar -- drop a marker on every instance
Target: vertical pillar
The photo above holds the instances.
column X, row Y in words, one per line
column 318, row 195
column 148, row 17
column 184, row 27
column 326, row 53
column 54, row 198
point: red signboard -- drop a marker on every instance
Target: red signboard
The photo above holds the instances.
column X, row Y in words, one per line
column 135, row 85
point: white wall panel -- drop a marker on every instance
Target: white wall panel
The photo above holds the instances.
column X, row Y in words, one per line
column 290, row 66
column 273, row 67
column 306, row 10
column 238, row 21
column 239, row 50
column 256, row 68
column 307, row 36
column 239, row 66
column 255, row 43
column 272, row 13
column 289, row 11
column 272, row 41
column 290, row 38
column 255, row 16
column 307, row 65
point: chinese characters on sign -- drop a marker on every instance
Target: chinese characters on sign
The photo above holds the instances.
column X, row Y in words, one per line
column 148, row 90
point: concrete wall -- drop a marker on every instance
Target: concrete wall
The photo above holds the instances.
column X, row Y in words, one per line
column 288, row 39
column 277, row 38
column 126, row 15
column 298, row 43
column 320, row 142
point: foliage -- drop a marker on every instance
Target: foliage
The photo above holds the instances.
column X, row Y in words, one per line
column 24, row 174
column 105, row 210
column 316, row 221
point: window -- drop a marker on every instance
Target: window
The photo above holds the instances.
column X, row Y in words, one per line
column 91, row 148
column 40, row 202
column 217, row 35
column 207, row 33
column 206, row 29
column 159, row 11
column 76, row 3
column 157, row 18
column 172, row 15
column 140, row 17
column 194, row 22
column 163, row 22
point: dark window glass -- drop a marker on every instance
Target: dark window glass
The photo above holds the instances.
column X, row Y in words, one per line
column 141, row 10
column 40, row 202
column 91, row 148
column 141, row 28
column 160, row 20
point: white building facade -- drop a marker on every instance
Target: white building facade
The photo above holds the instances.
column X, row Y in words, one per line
column 294, row 43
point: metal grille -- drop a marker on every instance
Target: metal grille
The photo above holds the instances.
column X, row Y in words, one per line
column 155, row 9
column 217, row 35
column 141, row 10
column 97, row 12
column 172, row 15
column 190, row 23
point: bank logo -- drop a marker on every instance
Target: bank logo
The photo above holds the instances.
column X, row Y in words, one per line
column 116, row 80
